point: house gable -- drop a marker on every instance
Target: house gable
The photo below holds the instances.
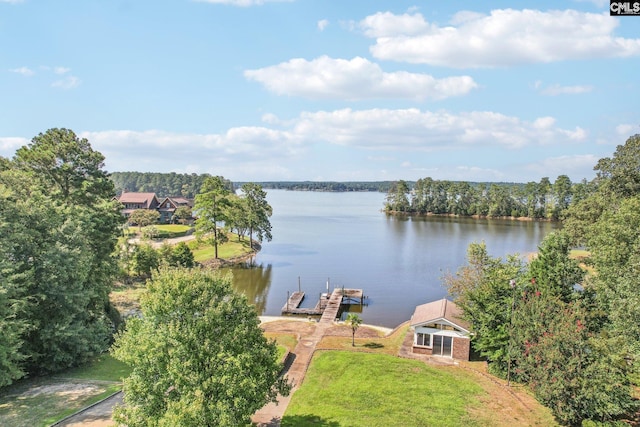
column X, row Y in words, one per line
column 443, row 312
column 439, row 330
column 132, row 201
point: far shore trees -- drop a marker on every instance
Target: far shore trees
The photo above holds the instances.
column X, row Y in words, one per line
column 576, row 347
column 257, row 212
column 198, row 355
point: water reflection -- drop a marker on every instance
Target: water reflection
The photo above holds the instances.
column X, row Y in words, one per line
column 397, row 261
column 253, row 281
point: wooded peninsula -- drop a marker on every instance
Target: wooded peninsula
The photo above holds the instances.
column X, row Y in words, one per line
column 531, row 200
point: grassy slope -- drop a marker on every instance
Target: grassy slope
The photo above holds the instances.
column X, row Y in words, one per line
column 360, row 389
column 43, row 401
column 232, row 249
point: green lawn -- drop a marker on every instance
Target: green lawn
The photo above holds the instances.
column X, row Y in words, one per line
column 363, row 389
column 173, row 228
column 102, row 368
column 204, row 252
column 44, row 400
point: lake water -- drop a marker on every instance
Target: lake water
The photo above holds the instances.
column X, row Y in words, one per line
column 346, row 239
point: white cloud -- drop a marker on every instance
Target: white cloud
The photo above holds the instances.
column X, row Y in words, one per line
column 580, row 165
column 322, row 24
column 412, row 129
column 239, row 153
column 355, row 79
column 69, row 82
column 25, row 71
column 599, row 3
column 383, row 138
column 386, row 24
column 506, row 37
column 626, row 129
column 242, row 3
column 8, row 145
column 556, row 89
column 61, row 70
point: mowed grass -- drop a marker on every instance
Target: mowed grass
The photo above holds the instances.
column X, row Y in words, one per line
column 173, row 228
column 44, row 400
column 383, row 344
column 364, row 389
column 102, row 368
column 203, row 251
column 287, row 341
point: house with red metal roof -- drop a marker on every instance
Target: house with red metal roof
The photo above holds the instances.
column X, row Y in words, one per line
column 166, row 207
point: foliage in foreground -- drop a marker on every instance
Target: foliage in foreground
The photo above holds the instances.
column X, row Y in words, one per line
column 198, row 355
column 58, row 228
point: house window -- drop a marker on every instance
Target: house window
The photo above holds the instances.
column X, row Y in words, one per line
column 423, row 339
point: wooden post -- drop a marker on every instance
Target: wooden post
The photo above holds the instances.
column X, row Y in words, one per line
column 298, row 283
column 287, row 301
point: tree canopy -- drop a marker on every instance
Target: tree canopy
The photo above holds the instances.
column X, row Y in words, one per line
column 212, row 207
column 58, row 230
column 198, row 355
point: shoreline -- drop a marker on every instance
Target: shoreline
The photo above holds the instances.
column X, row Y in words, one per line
column 450, row 215
column 268, row 319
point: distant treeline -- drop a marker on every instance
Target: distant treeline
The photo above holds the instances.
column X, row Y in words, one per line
column 380, row 186
column 163, row 184
column 535, row 200
column 188, row 185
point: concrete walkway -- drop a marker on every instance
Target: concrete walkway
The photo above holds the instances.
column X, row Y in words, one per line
column 271, row 414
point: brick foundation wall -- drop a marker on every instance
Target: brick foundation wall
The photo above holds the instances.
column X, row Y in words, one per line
column 421, row 350
column 461, row 348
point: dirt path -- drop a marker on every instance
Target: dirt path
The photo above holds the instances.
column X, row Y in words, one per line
column 98, row 415
column 158, row 244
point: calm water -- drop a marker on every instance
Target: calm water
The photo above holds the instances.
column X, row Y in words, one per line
column 346, row 239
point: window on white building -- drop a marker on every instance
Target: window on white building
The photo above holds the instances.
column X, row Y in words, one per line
column 423, row 339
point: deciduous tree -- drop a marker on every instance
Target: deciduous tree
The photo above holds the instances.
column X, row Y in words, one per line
column 198, row 355
column 144, row 217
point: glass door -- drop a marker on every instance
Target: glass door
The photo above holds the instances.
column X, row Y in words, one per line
column 442, row 345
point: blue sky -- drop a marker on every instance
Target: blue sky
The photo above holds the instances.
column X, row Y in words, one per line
column 258, row 90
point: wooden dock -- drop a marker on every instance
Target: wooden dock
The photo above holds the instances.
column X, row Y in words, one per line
column 328, row 306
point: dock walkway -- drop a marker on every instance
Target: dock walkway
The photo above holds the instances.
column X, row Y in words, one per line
column 325, row 303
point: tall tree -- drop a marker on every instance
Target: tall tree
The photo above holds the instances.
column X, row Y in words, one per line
column 562, row 192
column 486, row 291
column 398, row 198
column 257, row 213
column 198, row 355
column 67, row 165
column 552, row 270
column 211, row 206
column 61, row 239
column 12, row 323
column 622, row 171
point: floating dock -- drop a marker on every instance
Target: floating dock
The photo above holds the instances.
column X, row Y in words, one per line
column 328, row 304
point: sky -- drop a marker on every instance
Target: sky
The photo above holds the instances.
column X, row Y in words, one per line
column 325, row 90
